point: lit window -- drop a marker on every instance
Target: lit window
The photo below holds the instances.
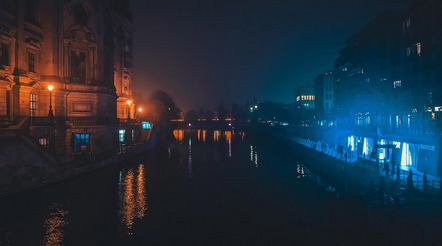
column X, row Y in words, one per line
column 397, row 83
column 298, row 98
column 82, row 142
column 33, row 104
column 121, row 134
column 44, row 142
column 31, row 62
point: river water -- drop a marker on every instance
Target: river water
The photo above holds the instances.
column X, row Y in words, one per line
column 208, row 188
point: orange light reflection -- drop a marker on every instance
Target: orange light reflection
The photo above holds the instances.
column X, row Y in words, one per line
column 55, row 225
column 133, row 199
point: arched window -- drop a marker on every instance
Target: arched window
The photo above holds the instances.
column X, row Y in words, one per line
column 80, row 15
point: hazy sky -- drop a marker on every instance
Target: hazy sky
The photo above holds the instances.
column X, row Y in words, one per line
column 204, row 52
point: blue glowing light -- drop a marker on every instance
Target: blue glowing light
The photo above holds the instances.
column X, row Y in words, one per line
column 146, row 125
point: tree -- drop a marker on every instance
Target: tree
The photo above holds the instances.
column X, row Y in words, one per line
column 162, row 107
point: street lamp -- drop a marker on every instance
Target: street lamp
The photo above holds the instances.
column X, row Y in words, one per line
column 128, row 108
column 50, row 88
column 140, row 109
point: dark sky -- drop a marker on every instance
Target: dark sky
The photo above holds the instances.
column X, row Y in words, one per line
column 208, row 51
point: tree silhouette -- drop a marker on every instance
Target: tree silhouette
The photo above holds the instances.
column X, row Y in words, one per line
column 163, row 107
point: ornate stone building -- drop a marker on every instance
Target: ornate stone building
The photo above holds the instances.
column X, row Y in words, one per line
column 83, row 48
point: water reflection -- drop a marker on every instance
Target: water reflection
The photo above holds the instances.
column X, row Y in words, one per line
column 189, row 163
column 55, row 224
column 302, row 171
column 230, row 147
column 202, row 135
column 254, row 155
column 228, row 135
column 179, row 135
column 132, row 194
column 242, row 135
column 216, row 135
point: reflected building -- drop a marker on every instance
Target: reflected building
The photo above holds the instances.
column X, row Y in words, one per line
column 132, row 197
column 204, row 136
column 179, row 135
column 254, row 155
column 189, row 162
column 216, row 136
column 55, row 225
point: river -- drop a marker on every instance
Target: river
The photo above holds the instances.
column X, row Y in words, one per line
column 208, row 188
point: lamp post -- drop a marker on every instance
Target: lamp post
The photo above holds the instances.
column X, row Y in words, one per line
column 128, row 109
column 50, row 88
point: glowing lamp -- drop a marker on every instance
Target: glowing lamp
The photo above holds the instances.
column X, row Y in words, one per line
column 140, row 109
column 128, row 102
column 50, row 88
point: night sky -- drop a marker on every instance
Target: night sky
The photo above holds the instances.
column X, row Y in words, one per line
column 204, row 52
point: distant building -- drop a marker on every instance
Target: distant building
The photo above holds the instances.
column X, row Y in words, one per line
column 324, row 94
column 305, row 97
column 83, row 48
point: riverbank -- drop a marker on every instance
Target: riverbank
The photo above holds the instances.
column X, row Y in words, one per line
column 378, row 202
column 35, row 173
column 360, row 177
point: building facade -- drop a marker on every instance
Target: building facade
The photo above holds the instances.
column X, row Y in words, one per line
column 388, row 88
column 80, row 49
column 324, row 98
column 305, row 97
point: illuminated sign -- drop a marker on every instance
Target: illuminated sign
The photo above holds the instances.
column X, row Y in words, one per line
column 146, row 125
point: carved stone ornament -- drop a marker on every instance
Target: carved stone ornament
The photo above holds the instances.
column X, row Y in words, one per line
column 6, row 31
column 33, row 42
column 80, row 33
